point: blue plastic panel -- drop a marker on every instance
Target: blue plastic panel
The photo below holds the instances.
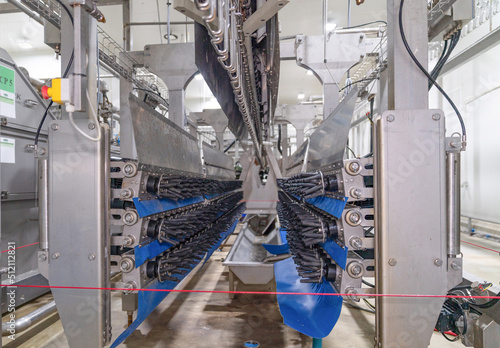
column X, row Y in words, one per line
column 278, row 249
column 312, row 315
column 332, row 206
column 149, row 300
column 338, row 253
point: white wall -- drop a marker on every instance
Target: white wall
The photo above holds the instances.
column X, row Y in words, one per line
column 475, row 88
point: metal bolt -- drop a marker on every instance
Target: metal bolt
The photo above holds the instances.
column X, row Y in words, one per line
column 356, row 242
column 54, row 127
column 354, row 218
column 129, row 217
column 54, row 256
column 355, row 192
column 91, row 257
column 126, row 265
column 42, row 257
column 438, row 262
column 390, row 118
column 354, row 166
column 128, row 169
column 455, row 265
column 355, row 269
column 392, row 262
column 436, row 117
column 91, row 125
column 127, row 193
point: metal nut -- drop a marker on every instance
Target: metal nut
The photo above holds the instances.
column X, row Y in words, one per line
column 392, row 262
column 54, row 127
column 436, row 117
column 354, row 168
column 355, row 192
column 355, row 269
column 42, row 257
column 353, row 218
column 55, row 256
column 91, row 125
column 130, row 218
column 356, row 243
column 127, row 193
column 91, row 257
column 129, row 170
column 390, row 118
column 126, row 264
column 438, row 262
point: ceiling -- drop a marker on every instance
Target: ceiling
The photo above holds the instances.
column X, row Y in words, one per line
column 298, row 17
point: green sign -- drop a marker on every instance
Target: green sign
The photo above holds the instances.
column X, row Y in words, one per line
column 7, row 92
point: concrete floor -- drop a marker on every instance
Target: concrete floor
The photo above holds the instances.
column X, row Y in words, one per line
column 214, row 320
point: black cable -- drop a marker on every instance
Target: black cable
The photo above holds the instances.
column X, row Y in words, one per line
column 410, row 52
column 364, row 24
column 456, row 338
column 230, row 146
column 358, row 81
column 488, row 304
column 66, row 71
column 439, row 66
column 368, row 284
column 436, row 68
column 279, row 140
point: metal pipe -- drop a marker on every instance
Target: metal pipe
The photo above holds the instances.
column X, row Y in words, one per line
column 43, row 211
column 20, row 325
column 357, row 30
column 453, row 203
column 26, row 10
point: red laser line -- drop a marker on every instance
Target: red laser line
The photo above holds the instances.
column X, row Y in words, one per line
column 482, row 247
column 24, row 246
column 249, row 292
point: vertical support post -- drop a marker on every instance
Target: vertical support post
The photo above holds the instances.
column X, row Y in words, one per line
column 43, row 220
column 126, row 25
column 176, row 111
column 453, row 202
column 410, row 181
column 284, row 148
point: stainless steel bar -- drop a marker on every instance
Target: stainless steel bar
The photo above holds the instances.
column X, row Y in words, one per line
column 29, row 320
column 43, row 196
column 132, row 24
column 453, row 203
column 26, row 10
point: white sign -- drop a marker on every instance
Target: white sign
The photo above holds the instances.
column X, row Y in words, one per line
column 8, row 147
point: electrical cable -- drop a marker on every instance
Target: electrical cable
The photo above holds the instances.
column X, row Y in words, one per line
column 368, row 284
column 410, row 52
column 364, row 24
column 66, row 71
column 230, row 146
column 358, row 81
column 96, row 120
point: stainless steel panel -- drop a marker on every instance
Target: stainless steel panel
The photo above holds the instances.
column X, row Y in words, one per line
column 159, row 142
column 217, row 164
column 327, row 144
column 410, row 220
column 79, row 231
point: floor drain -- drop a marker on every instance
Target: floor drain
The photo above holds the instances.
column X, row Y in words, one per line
column 252, row 344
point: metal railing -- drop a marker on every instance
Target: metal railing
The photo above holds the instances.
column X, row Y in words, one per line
column 111, row 55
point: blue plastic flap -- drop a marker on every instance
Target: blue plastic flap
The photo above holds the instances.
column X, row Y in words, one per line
column 278, row 249
column 338, row 253
column 149, row 300
column 332, row 206
column 159, row 205
column 312, row 315
column 149, row 251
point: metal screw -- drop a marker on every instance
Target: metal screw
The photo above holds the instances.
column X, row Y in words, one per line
column 392, row 262
column 455, row 265
column 355, row 192
column 438, row 262
column 436, row 117
column 91, row 125
column 54, row 256
column 91, row 257
column 129, row 217
column 390, row 118
column 354, row 166
column 128, row 169
column 54, row 127
column 356, row 242
column 354, row 218
column 42, row 257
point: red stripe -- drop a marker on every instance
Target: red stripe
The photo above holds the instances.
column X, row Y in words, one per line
column 250, row 292
column 24, row 246
column 480, row 246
